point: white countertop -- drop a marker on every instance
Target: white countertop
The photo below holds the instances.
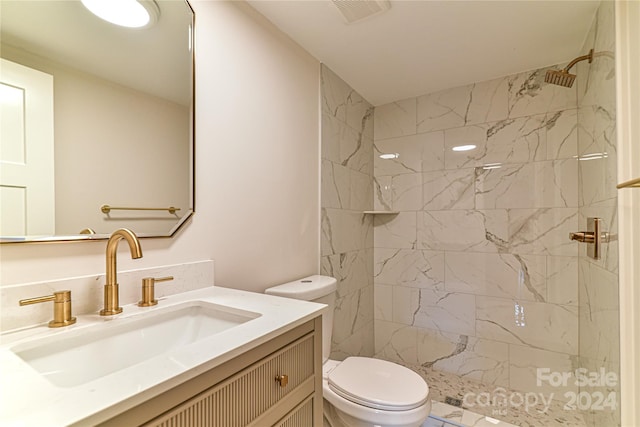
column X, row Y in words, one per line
column 28, row 399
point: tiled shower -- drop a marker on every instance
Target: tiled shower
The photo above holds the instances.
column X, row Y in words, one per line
column 473, row 272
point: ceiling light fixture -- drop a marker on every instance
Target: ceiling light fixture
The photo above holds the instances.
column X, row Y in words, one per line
column 464, row 147
column 389, row 156
column 126, row 13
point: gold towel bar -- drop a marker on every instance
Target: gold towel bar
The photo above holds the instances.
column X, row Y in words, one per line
column 634, row 183
column 106, row 209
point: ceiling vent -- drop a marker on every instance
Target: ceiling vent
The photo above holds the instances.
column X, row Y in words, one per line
column 356, row 10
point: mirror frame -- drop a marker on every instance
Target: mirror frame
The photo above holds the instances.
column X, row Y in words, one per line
column 192, row 180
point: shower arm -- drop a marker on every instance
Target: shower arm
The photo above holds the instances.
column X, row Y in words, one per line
column 588, row 56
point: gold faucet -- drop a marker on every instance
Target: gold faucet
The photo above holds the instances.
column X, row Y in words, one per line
column 111, row 297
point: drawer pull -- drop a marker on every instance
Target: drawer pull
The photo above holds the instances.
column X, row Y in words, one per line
column 283, row 380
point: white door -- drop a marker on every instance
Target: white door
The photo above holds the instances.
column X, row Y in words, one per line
column 27, row 205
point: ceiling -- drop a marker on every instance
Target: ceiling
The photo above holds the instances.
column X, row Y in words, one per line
column 423, row 46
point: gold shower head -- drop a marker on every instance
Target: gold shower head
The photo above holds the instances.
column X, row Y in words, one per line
column 560, row 78
column 564, row 77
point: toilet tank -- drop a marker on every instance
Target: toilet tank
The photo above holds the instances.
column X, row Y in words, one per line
column 321, row 289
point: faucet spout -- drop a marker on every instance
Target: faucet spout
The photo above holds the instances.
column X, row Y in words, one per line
column 111, row 293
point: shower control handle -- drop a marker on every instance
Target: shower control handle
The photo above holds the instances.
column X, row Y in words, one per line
column 583, row 236
column 594, row 237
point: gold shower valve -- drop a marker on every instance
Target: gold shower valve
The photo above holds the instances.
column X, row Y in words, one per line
column 61, row 308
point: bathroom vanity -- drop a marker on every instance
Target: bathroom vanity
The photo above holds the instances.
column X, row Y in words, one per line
column 211, row 357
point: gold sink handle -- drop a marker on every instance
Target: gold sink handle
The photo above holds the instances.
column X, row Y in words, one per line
column 148, row 290
column 61, row 308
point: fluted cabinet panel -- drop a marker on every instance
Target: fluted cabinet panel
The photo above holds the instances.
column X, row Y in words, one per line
column 247, row 395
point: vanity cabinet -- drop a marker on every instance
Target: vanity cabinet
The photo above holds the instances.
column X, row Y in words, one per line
column 278, row 383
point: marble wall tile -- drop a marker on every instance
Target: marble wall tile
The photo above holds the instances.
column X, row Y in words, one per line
column 518, row 140
column 534, row 324
column 396, row 342
column 476, row 359
column 463, row 230
column 598, row 180
column 524, row 363
column 353, row 311
column 360, row 194
column 359, row 154
column 599, row 313
column 335, row 185
column 408, row 152
column 562, row 280
column 444, row 109
column 562, row 134
column 596, row 81
column 335, row 93
column 405, row 304
column 432, row 150
column 522, row 139
column 338, row 139
column 408, row 267
column 450, row 189
column 468, row 135
column 344, row 231
column 406, row 192
column 395, row 119
column 351, row 269
column 530, row 95
column 382, row 195
column 360, row 343
column 521, row 277
column 412, row 154
column 360, row 114
column 543, row 231
column 395, row 231
column 476, row 103
column 528, row 185
column 383, row 302
column 446, row 311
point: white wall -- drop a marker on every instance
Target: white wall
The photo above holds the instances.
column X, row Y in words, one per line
column 257, row 165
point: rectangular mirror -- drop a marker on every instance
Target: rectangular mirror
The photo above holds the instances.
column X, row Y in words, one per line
column 97, row 122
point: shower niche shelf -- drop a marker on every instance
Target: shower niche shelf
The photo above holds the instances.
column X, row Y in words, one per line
column 382, row 212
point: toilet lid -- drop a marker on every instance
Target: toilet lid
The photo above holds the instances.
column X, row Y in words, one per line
column 378, row 384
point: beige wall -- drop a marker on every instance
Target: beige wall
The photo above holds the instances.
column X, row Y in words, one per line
column 257, row 165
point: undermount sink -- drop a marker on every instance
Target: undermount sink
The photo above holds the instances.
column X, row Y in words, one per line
column 83, row 355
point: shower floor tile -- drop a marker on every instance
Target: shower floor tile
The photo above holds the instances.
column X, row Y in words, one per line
column 444, row 384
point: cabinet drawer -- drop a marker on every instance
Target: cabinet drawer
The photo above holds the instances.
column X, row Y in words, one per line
column 246, row 395
column 300, row 416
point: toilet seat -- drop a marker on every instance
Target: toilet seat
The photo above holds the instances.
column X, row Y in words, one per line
column 378, row 384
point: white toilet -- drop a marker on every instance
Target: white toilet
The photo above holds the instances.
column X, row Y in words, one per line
column 360, row 391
